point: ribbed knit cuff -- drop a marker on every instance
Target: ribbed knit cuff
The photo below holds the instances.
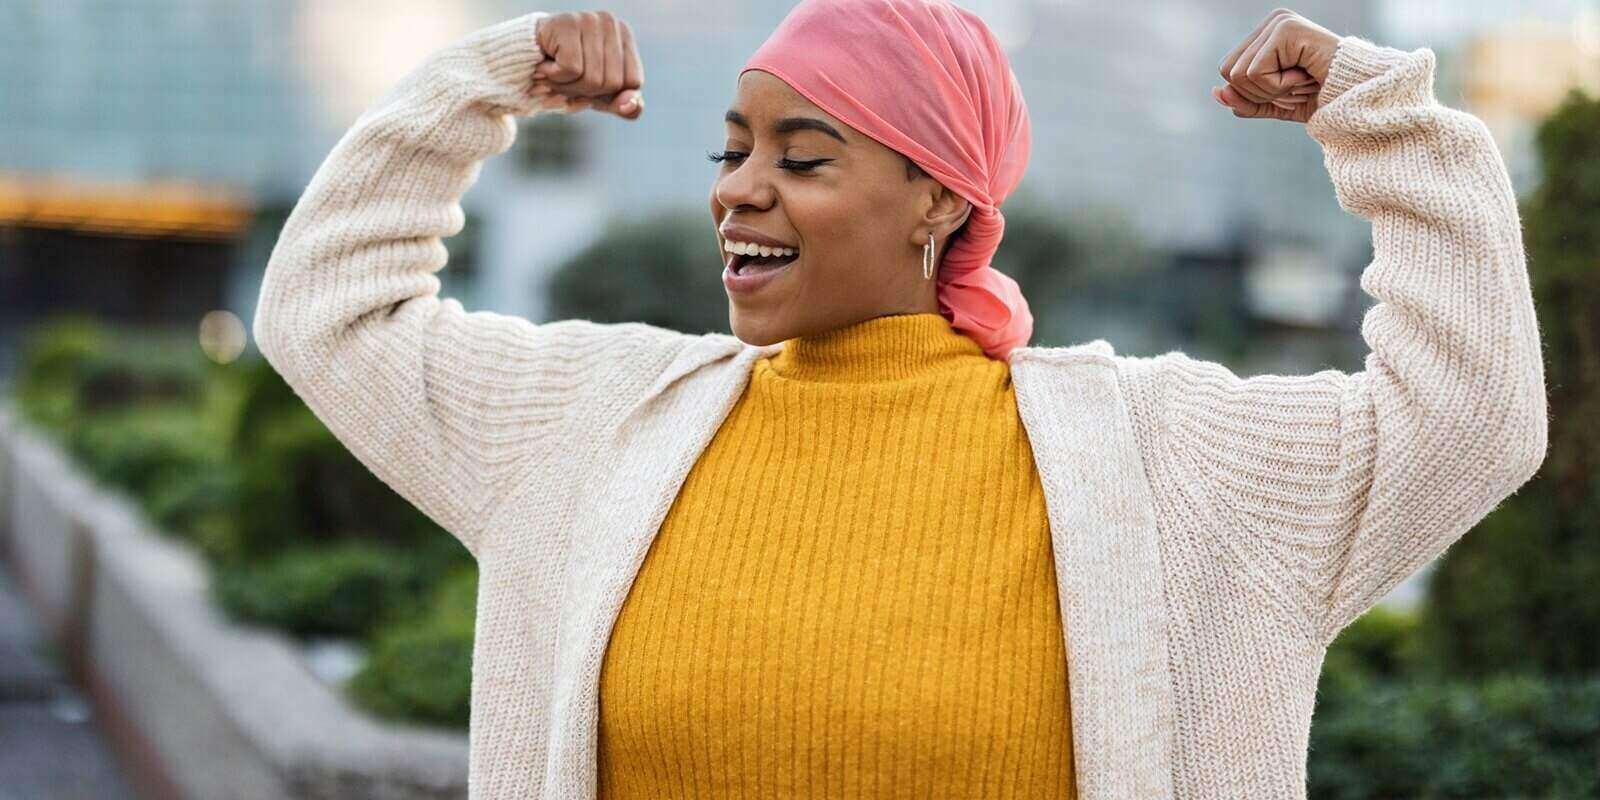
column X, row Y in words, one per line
column 1355, row 60
column 511, row 50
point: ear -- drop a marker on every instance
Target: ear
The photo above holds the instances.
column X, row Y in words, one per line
column 947, row 213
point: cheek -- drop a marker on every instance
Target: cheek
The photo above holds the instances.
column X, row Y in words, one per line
column 848, row 233
column 845, row 222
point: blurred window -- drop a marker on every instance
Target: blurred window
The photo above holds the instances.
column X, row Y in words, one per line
column 549, row 144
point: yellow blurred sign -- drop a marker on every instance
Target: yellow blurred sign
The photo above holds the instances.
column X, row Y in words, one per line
column 148, row 208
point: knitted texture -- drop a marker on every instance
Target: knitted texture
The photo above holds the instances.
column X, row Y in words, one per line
column 1309, row 497
column 864, row 542
column 1212, row 533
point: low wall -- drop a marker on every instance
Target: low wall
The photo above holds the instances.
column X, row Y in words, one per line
column 196, row 705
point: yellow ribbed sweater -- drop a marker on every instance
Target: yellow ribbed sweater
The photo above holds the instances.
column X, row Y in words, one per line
column 853, row 593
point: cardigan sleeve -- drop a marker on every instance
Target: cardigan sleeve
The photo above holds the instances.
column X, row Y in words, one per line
column 447, row 407
column 1335, row 487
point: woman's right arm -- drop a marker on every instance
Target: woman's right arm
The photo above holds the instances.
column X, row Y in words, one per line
column 446, row 406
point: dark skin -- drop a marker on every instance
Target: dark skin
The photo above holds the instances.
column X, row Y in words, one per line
column 860, row 223
column 860, row 219
column 1278, row 70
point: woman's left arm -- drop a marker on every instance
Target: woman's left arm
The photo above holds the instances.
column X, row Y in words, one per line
column 1334, row 487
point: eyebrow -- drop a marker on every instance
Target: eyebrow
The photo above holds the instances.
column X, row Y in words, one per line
column 788, row 124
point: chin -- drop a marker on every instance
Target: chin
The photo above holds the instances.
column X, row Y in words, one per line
column 754, row 327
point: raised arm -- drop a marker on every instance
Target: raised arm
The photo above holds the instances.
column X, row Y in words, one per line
column 448, row 407
column 1328, row 489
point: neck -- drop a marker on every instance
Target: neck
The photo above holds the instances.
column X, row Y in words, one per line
column 884, row 348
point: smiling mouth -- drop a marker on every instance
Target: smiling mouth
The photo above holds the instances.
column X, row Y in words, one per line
column 742, row 262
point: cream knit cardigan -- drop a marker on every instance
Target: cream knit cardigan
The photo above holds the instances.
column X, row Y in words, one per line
column 1212, row 533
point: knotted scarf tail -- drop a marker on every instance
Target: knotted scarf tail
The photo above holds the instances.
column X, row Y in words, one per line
column 979, row 300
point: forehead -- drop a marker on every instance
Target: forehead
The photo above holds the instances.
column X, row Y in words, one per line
column 762, row 101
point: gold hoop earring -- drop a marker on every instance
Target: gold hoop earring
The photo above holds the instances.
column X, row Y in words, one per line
column 927, row 258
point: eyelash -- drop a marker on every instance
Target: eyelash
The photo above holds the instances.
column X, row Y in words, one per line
column 783, row 163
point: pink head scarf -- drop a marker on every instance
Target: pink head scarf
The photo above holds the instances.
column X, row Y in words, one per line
column 927, row 79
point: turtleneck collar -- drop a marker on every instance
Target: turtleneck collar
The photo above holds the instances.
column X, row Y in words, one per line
column 877, row 349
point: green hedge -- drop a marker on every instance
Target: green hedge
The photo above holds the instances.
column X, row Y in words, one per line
column 144, row 450
column 300, row 535
column 342, row 589
column 299, row 484
column 1381, row 645
column 76, row 365
column 151, row 416
column 1389, row 723
column 422, row 670
column 52, row 366
column 1511, row 736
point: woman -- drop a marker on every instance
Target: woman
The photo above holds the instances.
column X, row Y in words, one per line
column 853, row 549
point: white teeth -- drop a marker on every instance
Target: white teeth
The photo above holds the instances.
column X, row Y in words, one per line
column 749, row 249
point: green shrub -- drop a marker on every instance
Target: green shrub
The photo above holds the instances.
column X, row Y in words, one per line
column 422, row 670
column 299, row 484
column 1381, row 644
column 264, row 400
column 344, row 588
column 195, row 503
column 55, row 351
column 137, row 449
column 147, row 367
column 1517, row 594
column 217, row 537
column 76, row 365
column 663, row 270
column 51, row 365
column 1514, row 736
column 301, row 536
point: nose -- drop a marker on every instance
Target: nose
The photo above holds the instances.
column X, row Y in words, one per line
column 744, row 188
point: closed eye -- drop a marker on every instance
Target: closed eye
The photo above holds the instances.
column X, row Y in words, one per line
column 782, row 163
column 801, row 166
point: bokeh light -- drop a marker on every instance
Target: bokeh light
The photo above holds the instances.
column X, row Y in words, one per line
column 222, row 336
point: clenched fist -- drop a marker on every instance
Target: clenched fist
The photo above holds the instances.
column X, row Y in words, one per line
column 1278, row 71
column 590, row 62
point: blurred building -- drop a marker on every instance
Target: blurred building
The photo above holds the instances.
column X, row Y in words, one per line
column 237, row 102
column 1509, row 64
column 137, row 141
column 1513, row 77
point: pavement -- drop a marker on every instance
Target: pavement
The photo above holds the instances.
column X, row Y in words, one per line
column 50, row 747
